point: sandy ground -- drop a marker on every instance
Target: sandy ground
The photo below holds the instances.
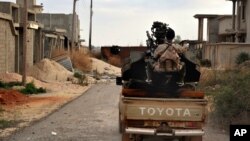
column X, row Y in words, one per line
column 94, row 118
column 105, row 68
column 58, row 94
column 39, row 106
column 91, row 117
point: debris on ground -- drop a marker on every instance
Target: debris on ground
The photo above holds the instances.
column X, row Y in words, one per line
column 53, row 77
column 54, row 133
column 57, row 94
column 27, row 109
column 49, row 86
column 102, row 67
column 49, row 70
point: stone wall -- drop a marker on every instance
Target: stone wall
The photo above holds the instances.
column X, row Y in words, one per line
column 7, row 47
column 223, row 55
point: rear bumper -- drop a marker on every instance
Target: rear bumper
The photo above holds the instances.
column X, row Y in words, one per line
column 175, row 132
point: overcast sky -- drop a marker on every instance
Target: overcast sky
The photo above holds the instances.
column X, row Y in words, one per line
column 124, row 22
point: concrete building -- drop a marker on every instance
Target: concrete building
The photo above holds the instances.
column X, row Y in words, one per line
column 241, row 20
column 55, row 43
column 223, row 55
column 50, row 37
column 52, row 21
column 31, row 5
column 227, row 28
column 227, row 35
column 12, row 40
column 41, row 41
column 34, row 36
column 212, row 27
column 219, row 28
column 10, row 17
column 8, row 36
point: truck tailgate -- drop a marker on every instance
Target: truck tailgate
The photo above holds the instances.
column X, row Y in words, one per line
column 167, row 109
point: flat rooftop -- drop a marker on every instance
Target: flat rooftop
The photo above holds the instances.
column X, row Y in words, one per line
column 206, row 16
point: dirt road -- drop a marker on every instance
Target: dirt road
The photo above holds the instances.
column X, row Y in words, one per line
column 92, row 117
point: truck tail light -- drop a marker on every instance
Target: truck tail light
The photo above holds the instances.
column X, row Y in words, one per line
column 135, row 123
column 192, row 94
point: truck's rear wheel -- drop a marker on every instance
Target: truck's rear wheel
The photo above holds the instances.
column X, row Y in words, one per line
column 128, row 137
column 125, row 137
column 196, row 138
column 138, row 138
column 121, row 125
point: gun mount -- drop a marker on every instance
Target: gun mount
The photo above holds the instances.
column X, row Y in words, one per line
column 138, row 71
column 157, row 91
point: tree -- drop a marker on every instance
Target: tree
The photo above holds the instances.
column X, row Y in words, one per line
column 177, row 39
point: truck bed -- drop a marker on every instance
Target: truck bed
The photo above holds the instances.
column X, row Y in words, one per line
column 163, row 116
column 164, row 109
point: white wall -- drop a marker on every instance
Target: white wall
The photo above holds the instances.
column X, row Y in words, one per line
column 224, row 24
column 223, row 55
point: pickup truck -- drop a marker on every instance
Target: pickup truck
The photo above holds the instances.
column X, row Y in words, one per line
column 178, row 119
column 156, row 100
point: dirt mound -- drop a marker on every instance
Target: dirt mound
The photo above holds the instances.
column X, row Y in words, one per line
column 10, row 77
column 11, row 97
column 48, row 70
column 105, row 68
column 14, row 77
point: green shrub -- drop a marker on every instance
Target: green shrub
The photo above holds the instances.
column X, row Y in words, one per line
column 7, row 124
column 77, row 75
column 41, row 90
column 233, row 98
column 30, row 88
column 2, row 85
column 9, row 84
column 205, row 63
column 242, row 57
column 81, row 78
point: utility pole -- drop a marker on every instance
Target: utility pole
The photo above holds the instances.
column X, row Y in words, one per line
column 73, row 26
column 90, row 25
column 25, row 18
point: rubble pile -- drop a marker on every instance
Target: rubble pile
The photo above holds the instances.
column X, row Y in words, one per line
column 105, row 68
column 10, row 77
column 48, row 70
column 14, row 77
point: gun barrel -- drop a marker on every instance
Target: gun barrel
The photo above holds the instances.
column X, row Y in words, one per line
column 148, row 35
